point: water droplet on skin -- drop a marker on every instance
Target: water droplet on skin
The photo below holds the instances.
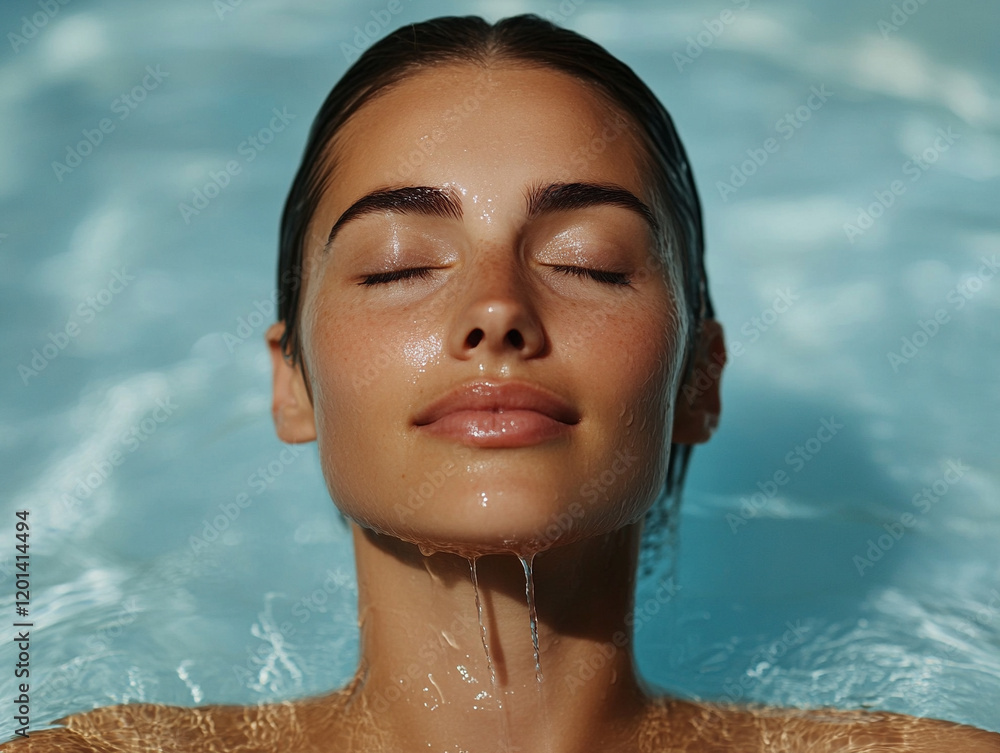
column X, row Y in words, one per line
column 437, row 688
column 430, row 570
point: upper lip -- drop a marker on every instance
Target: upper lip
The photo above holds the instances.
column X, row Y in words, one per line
column 499, row 396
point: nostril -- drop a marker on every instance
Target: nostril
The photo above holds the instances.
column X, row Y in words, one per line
column 516, row 339
column 475, row 337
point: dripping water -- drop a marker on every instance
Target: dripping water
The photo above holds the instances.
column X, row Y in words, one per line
column 504, row 731
column 529, row 592
column 482, row 632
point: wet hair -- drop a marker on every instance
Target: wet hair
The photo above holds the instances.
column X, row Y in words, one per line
column 526, row 40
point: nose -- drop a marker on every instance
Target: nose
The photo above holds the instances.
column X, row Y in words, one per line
column 496, row 316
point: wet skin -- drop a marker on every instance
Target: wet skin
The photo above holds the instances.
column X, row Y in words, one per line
column 320, row 725
column 402, row 307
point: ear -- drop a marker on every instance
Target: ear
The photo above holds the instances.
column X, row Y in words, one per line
column 696, row 412
column 291, row 406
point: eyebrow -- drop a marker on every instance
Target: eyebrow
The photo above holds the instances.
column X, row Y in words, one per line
column 556, row 197
column 425, row 200
column 539, row 200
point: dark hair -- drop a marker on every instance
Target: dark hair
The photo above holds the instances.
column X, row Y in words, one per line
column 525, row 39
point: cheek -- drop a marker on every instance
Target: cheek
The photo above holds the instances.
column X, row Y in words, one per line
column 346, row 368
column 632, row 365
column 337, row 369
column 637, row 357
column 366, row 374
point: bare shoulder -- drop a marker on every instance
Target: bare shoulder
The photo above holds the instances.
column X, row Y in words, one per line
column 872, row 730
column 303, row 725
column 146, row 727
column 60, row 740
column 715, row 727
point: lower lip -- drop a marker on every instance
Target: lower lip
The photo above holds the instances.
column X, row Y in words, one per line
column 512, row 428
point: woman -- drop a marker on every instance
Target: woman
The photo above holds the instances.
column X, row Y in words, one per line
column 496, row 324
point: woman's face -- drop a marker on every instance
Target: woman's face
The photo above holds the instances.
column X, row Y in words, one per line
column 548, row 319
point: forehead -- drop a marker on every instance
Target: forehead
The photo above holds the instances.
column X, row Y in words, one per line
column 489, row 132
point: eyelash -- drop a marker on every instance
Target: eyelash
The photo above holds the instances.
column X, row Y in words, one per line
column 598, row 275
column 399, row 274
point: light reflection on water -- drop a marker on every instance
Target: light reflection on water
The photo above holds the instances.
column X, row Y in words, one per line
column 143, row 592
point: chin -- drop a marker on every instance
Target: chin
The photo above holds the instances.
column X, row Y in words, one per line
column 477, row 518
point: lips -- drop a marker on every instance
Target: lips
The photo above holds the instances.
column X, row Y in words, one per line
column 498, row 414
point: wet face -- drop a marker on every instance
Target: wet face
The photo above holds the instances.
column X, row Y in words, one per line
column 492, row 359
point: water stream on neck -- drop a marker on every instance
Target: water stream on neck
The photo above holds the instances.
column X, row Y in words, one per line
column 529, row 592
column 482, row 632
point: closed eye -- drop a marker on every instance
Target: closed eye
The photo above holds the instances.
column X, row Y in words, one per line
column 600, row 275
column 422, row 273
column 379, row 278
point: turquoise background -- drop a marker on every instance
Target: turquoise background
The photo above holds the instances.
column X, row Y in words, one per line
column 772, row 602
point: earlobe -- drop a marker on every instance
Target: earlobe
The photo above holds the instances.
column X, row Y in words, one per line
column 698, row 404
column 291, row 406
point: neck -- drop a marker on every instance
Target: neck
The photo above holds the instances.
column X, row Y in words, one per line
column 447, row 662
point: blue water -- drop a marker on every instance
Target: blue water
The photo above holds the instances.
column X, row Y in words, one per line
column 150, row 304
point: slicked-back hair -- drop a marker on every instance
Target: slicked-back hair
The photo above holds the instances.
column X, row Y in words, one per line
column 519, row 40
